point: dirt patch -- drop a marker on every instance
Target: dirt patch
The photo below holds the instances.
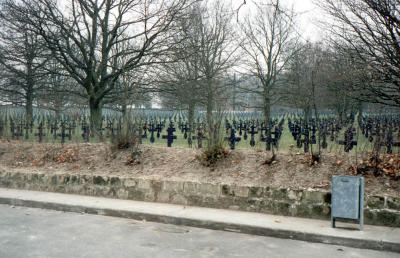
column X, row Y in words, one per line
column 241, row 167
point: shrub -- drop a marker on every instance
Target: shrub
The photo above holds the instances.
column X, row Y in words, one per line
column 212, row 155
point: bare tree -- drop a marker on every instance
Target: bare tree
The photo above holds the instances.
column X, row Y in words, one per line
column 59, row 90
column 270, row 42
column 205, row 53
column 368, row 32
column 84, row 38
column 180, row 82
column 22, row 55
column 215, row 50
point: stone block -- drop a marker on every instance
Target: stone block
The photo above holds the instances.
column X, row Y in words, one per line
column 226, row 190
column 59, row 189
column 256, row 191
column 375, row 202
column 253, row 204
column 209, row 189
column 112, row 192
column 86, row 179
column 281, row 208
column 129, row 182
column 101, row 190
column 388, row 218
column 115, row 181
column 162, row 197
column 122, row 194
column 190, row 188
column 172, row 186
column 241, row 191
column 178, row 199
column 266, row 205
column 149, row 196
column 53, row 180
column 294, row 195
column 278, row 194
column 320, row 211
column 234, row 190
column 210, row 201
column 88, row 189
column 74, row 179
column 33, row 178
column 195, row 200
column 393, row 203
column 134, row 194
column 225, row 201
column 156, row 185
column 16, row 176
column 313, row 197
column 99, row 180
column 144, row 184
column 303, row 210
column 369, row 216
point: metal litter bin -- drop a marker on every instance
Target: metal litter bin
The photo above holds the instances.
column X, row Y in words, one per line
column 347, row 199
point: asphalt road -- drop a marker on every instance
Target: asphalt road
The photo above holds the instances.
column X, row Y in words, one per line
column 29, row 232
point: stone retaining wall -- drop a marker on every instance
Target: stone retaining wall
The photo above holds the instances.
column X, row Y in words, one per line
column 301, row 203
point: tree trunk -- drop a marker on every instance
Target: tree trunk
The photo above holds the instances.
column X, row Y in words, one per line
column 307, row 113
column 191, row 120
column 210, row 121
column 29, row 106
column 360, row 111
column 95, row 113
column 123, row 109
column 267, row 108
column 57, row 105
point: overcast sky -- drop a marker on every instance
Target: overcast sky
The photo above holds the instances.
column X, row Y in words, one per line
column 308, row 15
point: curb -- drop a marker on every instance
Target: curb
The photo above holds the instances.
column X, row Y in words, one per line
column 380, row 245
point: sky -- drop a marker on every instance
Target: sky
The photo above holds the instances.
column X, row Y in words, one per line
column 308, row 15
column 308, row 18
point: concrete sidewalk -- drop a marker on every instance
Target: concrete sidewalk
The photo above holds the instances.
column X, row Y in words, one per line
column 319, row 231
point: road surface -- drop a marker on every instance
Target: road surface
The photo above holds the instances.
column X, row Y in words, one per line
column 29, row 232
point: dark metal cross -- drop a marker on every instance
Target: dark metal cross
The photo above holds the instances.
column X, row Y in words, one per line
column 85, row 131
column 70, row 128
column 233, row 139
column 348, row 140
column 18, row 130
column 253, row 132
column 40, row 133
column 159, row 128
column 63, row 134
column 268, row 139
column 324, row 144
column 170, row 137
column 389, row 141
column 185, row 129
column 54, row 129
column 152, row 129
column 27, row 129
column 227, row 126
column 12, row 128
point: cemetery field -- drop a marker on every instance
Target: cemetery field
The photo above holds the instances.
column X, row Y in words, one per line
column 291, row 169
